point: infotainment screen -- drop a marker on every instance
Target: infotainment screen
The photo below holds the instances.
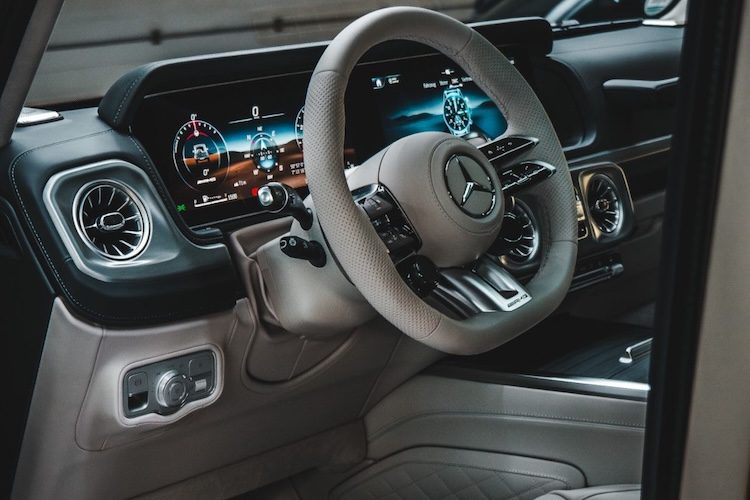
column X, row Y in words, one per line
column 435, row 98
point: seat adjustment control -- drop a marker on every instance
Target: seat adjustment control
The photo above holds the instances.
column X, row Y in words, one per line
column 299, row 248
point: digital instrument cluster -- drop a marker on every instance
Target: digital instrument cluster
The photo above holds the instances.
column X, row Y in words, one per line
column 215, row 146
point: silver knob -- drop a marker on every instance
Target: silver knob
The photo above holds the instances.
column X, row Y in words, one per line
column 265, row 196
column 172, row 389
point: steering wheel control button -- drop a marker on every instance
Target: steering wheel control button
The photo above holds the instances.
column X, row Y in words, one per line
column 390, row 223
column 507, row 147
column 375, row 206
column 299, row 248
column 524, row 175
column 166, row 386
column 470, row 186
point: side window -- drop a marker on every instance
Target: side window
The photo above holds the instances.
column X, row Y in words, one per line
column 559, row 12
column 595, row 11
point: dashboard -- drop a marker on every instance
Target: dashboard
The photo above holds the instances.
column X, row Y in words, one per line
column 216, row 145
column 191, row 141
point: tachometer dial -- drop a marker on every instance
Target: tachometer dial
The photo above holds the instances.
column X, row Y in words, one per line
column 200, row 155
column 265, row 152
column 299, row 127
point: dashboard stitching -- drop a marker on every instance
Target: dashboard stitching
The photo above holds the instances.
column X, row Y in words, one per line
column 47, row 257
column 31, row 224
column 144, row 71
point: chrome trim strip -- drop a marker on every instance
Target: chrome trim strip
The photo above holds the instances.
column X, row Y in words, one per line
column 606, row 388
column 665, row 23
column 636, row 351
column 596, row 382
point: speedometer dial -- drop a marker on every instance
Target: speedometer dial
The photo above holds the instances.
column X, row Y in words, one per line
column 200, row 155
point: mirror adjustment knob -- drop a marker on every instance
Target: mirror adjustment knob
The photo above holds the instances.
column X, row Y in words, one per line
column 277, row 197
column 172, row 389
column 299, row 248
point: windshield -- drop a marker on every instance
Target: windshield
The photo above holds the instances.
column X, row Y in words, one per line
column 95, row 41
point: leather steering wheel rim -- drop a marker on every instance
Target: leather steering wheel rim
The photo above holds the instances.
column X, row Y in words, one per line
column 349, row 233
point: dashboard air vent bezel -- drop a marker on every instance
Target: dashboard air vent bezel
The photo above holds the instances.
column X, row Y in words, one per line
column 587, row 179
column 605, row 204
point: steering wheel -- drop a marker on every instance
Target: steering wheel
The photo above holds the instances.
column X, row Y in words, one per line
column 449, row 192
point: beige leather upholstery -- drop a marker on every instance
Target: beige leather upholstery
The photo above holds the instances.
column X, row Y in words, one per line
column 430, row 472
column 611, row 492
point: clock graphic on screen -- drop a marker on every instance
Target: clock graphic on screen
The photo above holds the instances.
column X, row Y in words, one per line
column 456, row 112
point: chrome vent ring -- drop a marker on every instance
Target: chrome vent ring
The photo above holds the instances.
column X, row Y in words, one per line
column 604, row 204
column 111, row 220
column 519, row 234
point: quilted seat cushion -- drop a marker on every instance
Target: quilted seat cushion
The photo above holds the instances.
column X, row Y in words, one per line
column 441, row 473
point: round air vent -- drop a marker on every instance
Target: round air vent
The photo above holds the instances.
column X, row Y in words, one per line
column 111, row 219
column 520, row 239
column 604, row 204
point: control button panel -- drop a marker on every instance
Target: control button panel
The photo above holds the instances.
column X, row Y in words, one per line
column 390, row 223
column 166, row 386
column 523, row 175
column 507, row 147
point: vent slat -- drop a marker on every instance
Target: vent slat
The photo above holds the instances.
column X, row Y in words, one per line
column 604, row 204
column 117, row 234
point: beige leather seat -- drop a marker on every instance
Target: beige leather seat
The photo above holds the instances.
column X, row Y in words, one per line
column 611, row 492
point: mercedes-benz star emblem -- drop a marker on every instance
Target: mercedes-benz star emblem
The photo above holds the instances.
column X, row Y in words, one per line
column 469, row 186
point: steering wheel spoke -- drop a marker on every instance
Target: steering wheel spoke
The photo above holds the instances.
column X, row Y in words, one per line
column 486, row 287
column 464, row 292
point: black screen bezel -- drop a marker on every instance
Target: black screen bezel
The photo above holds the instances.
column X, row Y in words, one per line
column 160, row 115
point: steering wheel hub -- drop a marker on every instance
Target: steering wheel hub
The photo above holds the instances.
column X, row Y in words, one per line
column 470, row 186
column 449, row 192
